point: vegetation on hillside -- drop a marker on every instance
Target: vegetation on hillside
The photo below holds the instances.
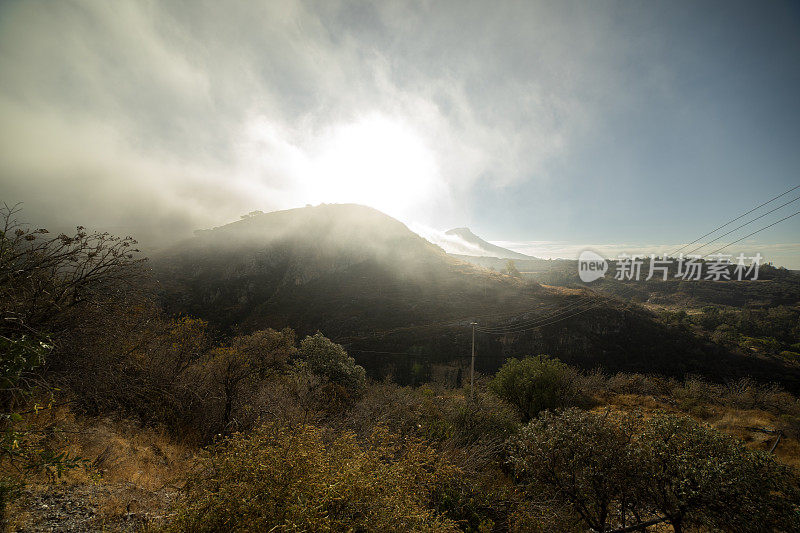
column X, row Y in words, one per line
column 265, row 429
column 373, row 286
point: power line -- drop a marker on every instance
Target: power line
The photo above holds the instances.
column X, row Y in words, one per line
column 415, row 356
column 546, row 310
column 451, row 322
column 561, row 310
column 521, row 326
column 751, row 234
column 519, row 313
column 420, row 356
column 743, row 225
column 734, row 220
column 545, row 323
column 455, row 321
column 383, row 352
column 529, row 327
column 535, row 322
column 570, row 316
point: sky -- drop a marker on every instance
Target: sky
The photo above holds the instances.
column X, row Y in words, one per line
column 548, row 127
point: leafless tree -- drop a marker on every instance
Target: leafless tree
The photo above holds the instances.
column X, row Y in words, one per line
column 44, row 277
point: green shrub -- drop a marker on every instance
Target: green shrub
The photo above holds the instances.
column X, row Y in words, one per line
column 790, row 356
column 625, row 383
column 534, row 384
column 482, row 421
column 389, row 405
column 326, row 358
column 439, row 415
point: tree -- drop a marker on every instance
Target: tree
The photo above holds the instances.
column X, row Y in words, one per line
column 510, row 268
column 247, row 359
column 267, row 350
column 51, row 289
column 534, row 384
column 614, row 467
column 698, row 476
column 43, row 278
column 582, row 458
column 54, row 289
column 330, row 360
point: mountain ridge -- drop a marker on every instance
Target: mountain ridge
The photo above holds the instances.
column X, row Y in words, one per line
column 489, row 249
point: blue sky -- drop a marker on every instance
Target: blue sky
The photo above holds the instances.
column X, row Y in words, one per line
column 550, row 126
column 667, row 164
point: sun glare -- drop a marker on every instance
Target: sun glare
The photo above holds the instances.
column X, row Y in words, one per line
column 375, row 161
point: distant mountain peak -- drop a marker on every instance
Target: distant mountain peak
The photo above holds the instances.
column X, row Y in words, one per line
column 478, row 246
column 466, row 234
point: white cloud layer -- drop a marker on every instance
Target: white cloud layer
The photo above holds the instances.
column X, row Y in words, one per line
column 189, row 114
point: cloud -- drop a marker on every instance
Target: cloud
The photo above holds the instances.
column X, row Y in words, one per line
column 137, row 113
column 780, row 253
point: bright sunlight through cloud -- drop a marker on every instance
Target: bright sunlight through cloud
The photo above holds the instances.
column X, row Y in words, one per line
column 375, row 160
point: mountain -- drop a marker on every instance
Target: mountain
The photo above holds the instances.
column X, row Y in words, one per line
column 336, row 267
column 475, row 246
column 402, row 306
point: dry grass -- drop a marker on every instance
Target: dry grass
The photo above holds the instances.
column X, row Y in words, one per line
column 129, row 470
column 557, row 290
column 115, row 450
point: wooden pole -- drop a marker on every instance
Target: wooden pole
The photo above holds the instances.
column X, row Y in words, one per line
column 472, row 364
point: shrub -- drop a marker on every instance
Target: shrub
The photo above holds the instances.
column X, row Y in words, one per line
column 280, row 478
column 485, row 421
column 389, row 405
column 437, row 415
column 328, row 359
column 534, row 384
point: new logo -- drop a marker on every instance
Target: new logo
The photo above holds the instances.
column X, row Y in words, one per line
column 591, row 266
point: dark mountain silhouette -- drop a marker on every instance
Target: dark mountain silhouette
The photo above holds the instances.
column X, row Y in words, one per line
column 401, row 305
column 488, row 249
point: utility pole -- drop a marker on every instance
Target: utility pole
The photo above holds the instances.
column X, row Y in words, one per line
column 472, row 364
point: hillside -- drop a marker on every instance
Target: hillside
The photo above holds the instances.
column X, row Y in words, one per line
column 341, row 268
column 775, row 286
column 402, row 306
